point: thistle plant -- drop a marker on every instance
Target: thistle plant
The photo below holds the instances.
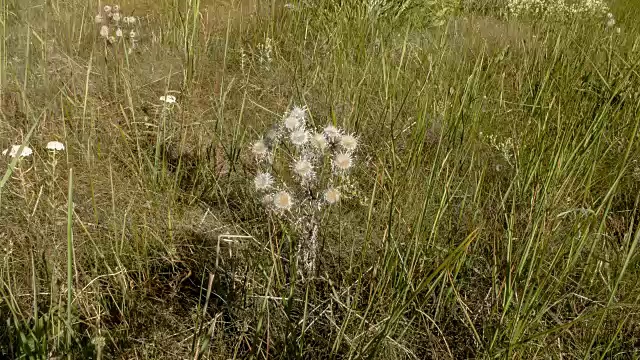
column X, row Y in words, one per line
column 114, row 26
column 301, row 172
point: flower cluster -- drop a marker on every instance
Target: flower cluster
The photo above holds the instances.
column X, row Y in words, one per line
column 309, row 152
column 14, row 150
column 114, row 26
column 318, row 162
column 558, row 8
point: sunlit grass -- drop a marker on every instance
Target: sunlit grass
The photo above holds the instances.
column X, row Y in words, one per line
column 492, row 211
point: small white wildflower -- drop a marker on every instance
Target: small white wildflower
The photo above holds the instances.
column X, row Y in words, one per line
column 111, row 39
column 104, row 31
column 13, row 151
column 98, row 19
column 610, row 15
column 282, row 200
column 107, row 8
column 263, row 181
column 303, row 168
column 299, row 137
column 319, row 141
column 259, row 148
column 116, row 8
column 348, row 142
column 295, row 118
column 611, row 22
column 332, row 195
column 169, row 99
column 343, row 161
column 55, row 146
column 119, row 32
column 132, row 34
column 116, row 17
column 332, row 132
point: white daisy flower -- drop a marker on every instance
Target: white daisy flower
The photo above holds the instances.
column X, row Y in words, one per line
column 55, row 146
column 282, row 200
column 107, row 8
column 332, row 132
column 119, row 32
column 116, row 17
column 332, row 195
column 169, row 99
column 342, row 161
column 263, row 181
column 259, row 148
column 303, row 168
column 348, row 142
column 319, row 141
column 299, row 137
column 13, row 151
column 98, row 19
column 104, row 31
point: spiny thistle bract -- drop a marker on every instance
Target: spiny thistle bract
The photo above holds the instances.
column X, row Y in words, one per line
column 301, row 171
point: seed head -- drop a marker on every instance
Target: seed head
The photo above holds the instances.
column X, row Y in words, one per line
column 119, row 32
column 263, row 181
column 259, row 149
column 299, row 137
column 303, row 168
column 332, row 133
column 319, row 141
column 332, row 195
column 342, row 161
column 282, row 200
column 348, row 142
column 104, row 31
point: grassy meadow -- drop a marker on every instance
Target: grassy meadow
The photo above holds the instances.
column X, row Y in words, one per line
column 491, row 209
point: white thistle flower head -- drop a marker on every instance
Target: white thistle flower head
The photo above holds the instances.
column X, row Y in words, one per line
column 298, row 112
column 299, row 137
column 116, row 8
column 259, row 149
column 342, row 161
column 169, row 99
column 348, row 142
column 319, row 141
column 116, row 16
column 119, row 32
column 303, row 168
column 13, row 151
column 98, row 19
column 282, row 201
column 267, row 199
column 332, row 133
column 55, row 146
column 263, row 181
column 107, row 8
column 292, row 122
column 332, row 195
column 104, row 31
